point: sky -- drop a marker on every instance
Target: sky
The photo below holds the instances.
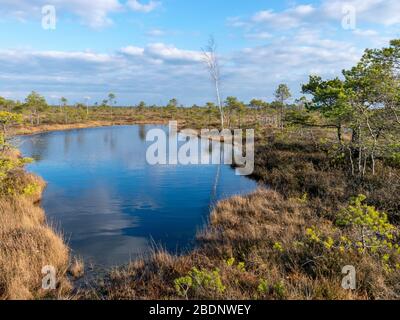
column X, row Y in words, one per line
column 151, row 50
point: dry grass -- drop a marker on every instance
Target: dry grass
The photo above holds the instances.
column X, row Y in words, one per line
column 240, row 243
column 27, row 243
column 77, row 268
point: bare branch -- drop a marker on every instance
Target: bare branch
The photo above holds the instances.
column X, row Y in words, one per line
column 211, row 61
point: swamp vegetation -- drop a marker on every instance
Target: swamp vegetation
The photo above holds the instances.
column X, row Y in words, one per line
column 330, row 167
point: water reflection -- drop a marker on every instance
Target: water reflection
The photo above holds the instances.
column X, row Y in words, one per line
column 113, row 206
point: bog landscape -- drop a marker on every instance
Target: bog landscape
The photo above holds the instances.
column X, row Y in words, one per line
column 260, row 163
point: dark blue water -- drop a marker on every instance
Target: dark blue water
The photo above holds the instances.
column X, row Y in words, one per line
column 111, row 205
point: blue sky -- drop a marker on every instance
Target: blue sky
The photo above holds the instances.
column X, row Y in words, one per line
column 151, row 50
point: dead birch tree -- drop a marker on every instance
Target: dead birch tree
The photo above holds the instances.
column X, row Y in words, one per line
column 212, row 63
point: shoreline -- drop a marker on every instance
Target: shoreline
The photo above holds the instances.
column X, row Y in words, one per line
column 47, row 128
column 31, row 130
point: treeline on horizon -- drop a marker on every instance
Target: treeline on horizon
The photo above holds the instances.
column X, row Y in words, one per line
column 35, row 104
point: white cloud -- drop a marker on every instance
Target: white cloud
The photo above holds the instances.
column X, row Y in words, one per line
column 93, row 13
column 96, row 14
column 173, row 54
column 327, row 13
column 289, row 18
column 133, row 51
column 365, row 33
column 383, row 12
column 257, row 71
column 136, row 5
column 155, row 73
column 158, row 71
column 74, row 55
column 163, row 53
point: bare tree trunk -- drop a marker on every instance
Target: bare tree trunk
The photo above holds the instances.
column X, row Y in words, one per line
column 351, row 161
column 360, row 151
column 373, row 163
column 220, row 106
column 211, row 60
column 375, row 137
column 365, row 163
column 363, row 237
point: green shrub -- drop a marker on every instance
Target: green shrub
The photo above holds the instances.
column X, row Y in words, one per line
column 395, row 159
column 278, row 247
column 8, row 167
column 183, row 285
column 230, row 262
column 241, row 267
column 203, row 283
column 361, row 230
column 207, row 279
column 31, row 189
column 263, row 287
column 279, row 289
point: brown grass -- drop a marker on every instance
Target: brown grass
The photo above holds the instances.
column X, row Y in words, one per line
column 77, row 268
column 27, row 243
column 246, row 229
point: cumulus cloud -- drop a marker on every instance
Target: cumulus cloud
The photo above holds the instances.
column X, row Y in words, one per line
column 92, row 13
column 379, row 12
column 159, row 71
column 132, row 51
column 365, row 33
column 383, row 12
column 163, row 53
column 289, row 18
column 155, row 73
column 257, row 71
column 136, row 5
column 172, row 54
